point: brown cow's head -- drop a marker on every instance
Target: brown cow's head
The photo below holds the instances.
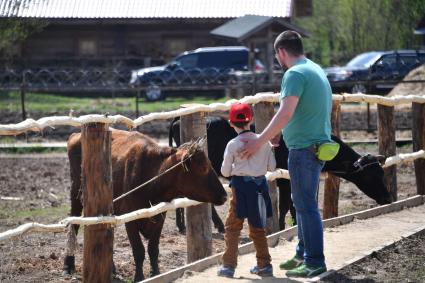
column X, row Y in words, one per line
column 195, row 178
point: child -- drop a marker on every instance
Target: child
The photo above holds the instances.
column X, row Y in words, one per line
column 250, row 195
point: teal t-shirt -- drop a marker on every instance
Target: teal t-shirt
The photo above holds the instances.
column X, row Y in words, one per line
column 310, row 123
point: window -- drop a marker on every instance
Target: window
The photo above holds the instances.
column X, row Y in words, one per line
column 408, row 60
column 87, row 47
column 387, row 63
column 188, row 61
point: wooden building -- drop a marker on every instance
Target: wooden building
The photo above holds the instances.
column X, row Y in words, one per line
column 138, row 33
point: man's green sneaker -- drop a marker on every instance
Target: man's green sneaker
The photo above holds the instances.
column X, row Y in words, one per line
column 291, row 263
column 305, row 271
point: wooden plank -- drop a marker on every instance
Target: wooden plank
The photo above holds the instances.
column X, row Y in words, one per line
column 288, row 234
column 263, row 113
column 418, row 134
column 387, row 146
column 96, row 179
column 198, row 218
column 331, row 194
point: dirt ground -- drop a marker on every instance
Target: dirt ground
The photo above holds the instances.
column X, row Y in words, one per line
column 381, row 266
column 40, row 185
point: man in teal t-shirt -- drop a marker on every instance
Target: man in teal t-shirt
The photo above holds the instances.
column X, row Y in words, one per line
column 310, row 123
column 304, row 118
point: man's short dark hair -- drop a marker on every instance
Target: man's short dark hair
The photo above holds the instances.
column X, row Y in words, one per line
column 290, row 41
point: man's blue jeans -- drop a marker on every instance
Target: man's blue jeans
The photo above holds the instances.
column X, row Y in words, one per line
column 304, row 170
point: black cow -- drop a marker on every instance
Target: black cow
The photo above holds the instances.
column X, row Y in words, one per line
column 364, row 171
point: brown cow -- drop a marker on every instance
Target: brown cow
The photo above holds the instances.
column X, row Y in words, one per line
column 137, row 158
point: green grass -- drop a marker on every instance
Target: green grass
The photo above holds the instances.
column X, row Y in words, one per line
column 25, row 150
column 36, row 214
column 60, row 211
column 38, row 102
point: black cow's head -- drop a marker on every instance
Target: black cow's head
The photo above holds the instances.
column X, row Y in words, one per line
column 368, row 175
column 196, row 178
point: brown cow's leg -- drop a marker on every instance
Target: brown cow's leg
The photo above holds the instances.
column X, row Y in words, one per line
column 76, row 208
column 218, row 224
column 138, row 249
column 153, row 244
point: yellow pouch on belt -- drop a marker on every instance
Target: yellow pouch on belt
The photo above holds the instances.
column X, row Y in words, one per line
column 327, row 151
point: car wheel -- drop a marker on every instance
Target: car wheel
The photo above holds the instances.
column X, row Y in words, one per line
column 154, row 93
column 358, row 88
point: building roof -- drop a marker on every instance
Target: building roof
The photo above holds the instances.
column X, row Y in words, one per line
column 243, row 27
column 136, row 9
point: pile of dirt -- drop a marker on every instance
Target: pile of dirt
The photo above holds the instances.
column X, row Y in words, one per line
column 402, row 262
column 411, row 88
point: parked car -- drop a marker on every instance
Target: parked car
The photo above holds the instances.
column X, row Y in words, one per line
column 375, row 71
column 204, row 69
column 350, row 78
column 391, row 68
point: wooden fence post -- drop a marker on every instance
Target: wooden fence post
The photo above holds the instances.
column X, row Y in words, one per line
column 418, row 135
column 331, row 194
column 137, row 102
column 263, row 113
column 198, row 218
column 387, row 145
column 96, row 179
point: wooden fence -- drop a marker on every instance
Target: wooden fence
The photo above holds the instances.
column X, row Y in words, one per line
column 96, row 141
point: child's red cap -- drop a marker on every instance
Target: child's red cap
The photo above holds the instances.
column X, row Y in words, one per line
column 240, row 112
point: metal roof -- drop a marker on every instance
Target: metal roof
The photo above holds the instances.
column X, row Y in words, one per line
column 96, row 9
column 241, row 28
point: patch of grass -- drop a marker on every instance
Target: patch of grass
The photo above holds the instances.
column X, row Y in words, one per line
column 24, row 150
column 420, row 275
column 42, row 212
column 7, row 139
column 39, row 102
column 37, row 213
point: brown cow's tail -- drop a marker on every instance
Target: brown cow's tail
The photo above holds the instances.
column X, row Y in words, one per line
column 170, row 131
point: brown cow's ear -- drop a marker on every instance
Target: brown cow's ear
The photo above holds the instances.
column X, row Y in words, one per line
column 381, row 159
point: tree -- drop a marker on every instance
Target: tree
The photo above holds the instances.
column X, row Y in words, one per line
column 343, row 28
column 14, row 31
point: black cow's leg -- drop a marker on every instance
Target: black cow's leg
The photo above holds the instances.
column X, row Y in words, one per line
column 138, row 249
column 293, row 212
column 180, row 220
column 285, row 202
column 218, row 224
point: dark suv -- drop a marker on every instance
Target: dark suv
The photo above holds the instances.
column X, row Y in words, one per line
column 204, row 69
column 374, row 72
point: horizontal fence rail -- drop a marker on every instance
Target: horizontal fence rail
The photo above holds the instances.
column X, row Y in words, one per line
column 40, row 124
column 123, row 78
column 159, row 208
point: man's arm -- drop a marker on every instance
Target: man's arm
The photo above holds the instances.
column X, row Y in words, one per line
column 278, row 122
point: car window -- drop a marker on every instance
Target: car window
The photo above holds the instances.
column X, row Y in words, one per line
column 387, row 62
column 237, row 60
column 364, row 60
column 408, row 61
column 188, row 61
column 212, row 59
column 421, row 58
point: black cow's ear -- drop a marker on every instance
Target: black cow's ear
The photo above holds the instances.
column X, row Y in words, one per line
column 381, row 159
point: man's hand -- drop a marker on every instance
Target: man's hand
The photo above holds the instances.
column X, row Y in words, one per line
column 275, row 140
column 251, row 146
